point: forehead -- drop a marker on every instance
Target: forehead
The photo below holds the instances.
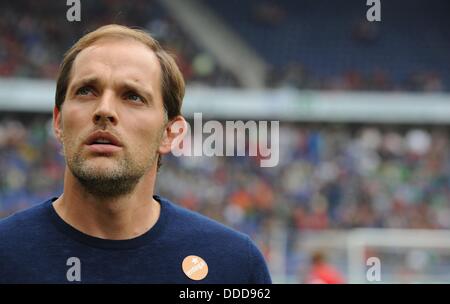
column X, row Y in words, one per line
column 118, row 59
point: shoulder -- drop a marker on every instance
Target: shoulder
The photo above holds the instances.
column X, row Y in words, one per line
column 226, row 246
column 25, row 222
column 194, row 223
column 21, row 236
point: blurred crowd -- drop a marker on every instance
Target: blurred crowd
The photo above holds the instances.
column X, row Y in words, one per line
column 35, row 35
column 329, row 176
column 298, row 76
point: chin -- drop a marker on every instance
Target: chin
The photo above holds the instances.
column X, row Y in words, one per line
column 101, row 167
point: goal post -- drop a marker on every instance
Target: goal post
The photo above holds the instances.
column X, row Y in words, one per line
column 404, row 256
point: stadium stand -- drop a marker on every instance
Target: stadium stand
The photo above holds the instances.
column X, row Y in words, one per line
column 35, row 37
column 323, row 45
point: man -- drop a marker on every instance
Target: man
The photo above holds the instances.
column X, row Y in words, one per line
column 118, row 97
column 322, row 272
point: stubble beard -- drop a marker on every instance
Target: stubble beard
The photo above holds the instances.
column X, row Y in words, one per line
column 117, row 180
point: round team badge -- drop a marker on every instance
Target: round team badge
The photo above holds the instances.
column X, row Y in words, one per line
column 195, row 268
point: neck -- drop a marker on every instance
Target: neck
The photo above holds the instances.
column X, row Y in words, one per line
column 116, row 218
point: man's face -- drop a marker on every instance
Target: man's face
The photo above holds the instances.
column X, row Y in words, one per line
column 114, row 92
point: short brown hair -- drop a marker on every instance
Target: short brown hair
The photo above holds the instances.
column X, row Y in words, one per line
column 172, row 82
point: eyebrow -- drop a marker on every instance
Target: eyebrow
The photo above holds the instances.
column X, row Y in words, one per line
column 127, row 84
column 88, row 81
column 134, row 86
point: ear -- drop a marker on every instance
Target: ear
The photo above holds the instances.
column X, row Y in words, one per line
column 173, row 133
column 57, row 128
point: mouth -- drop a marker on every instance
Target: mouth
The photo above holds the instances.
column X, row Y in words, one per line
column 103, row 143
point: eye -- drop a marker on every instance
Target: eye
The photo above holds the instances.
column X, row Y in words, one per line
column 134, row 97
column 84, row 90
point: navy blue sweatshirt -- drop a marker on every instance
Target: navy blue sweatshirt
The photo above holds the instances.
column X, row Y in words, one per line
column 37, row 246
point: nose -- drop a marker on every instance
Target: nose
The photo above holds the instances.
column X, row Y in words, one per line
column 105, row 111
